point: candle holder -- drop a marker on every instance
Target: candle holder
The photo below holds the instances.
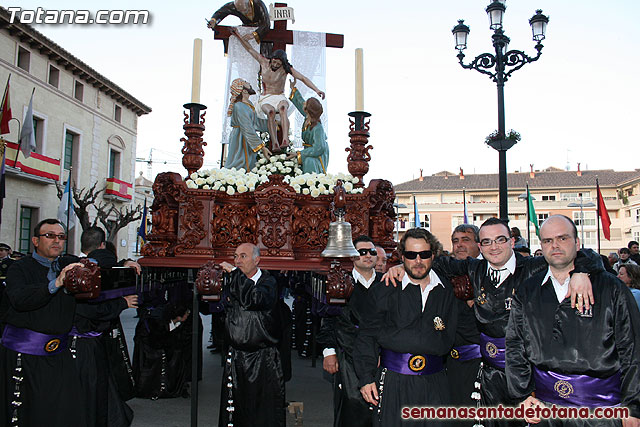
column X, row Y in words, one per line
column 192, row 152
column 359, row 157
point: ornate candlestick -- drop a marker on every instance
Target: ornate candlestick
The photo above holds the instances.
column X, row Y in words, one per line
column 192, row 152
column 359, row 157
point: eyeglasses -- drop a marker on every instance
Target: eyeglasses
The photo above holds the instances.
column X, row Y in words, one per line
column 414, row 255
column 53, row 236
column 365, row 251
column 500, row 240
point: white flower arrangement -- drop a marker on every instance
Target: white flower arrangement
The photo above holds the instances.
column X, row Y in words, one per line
column 232, row 181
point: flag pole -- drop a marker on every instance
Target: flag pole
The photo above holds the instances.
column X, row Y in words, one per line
column 464, row 205
column 599, row 213
column 68, row 205
column 528, row 219
column 15, row 162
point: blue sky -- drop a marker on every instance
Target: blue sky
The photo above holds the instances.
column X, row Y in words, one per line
column 578, row 103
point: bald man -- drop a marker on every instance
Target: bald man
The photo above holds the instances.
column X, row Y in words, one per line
column 253, row 381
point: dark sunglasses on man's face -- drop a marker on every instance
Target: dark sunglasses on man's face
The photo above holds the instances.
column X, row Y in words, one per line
column 413, row 254
column 53, row 236
column 365, row 251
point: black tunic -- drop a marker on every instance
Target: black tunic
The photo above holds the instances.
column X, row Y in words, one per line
column 51, row 388
column 339, row 332
column 492, row 312
column 551, row 336
column 462, row 374
column 394, row 320
column 253, row 376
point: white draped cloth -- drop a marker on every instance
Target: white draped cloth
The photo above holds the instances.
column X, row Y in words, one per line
column 308, row 57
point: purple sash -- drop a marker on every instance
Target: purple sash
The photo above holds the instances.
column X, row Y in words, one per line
column 91, row 334
column 116, row 293
column 31, row 342
column 466, row 352
column 577, row 390
column 492, row 350
column 411, row 364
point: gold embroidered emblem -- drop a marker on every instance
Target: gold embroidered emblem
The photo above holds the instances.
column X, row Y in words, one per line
column 492, row 350
column 455, row 354
column 438, row 324
column 417, row 363
column 563, row 388
column 52, row 345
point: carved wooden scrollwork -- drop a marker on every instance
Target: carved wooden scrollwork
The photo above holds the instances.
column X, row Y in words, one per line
column 339, row 284
column 191, row 224
column 233, row 224
column 209, row 279
column 83, row 281
column 310, row 227
column 274, row 206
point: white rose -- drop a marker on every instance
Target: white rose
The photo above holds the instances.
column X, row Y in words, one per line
column 348, row 186
column 315, row 192
column 305, row 191
column 206, row 187
column 310, row 182
column 231, row 191
column 242, row 170
column 193, row 175
column 222, row 188
column 296, row 187
column 355, row 180
column 201, row 173
column 216, row 185
column 200, row 181
column 210, row 180
column 242, row 188
column 191, row 184
column 298, row 171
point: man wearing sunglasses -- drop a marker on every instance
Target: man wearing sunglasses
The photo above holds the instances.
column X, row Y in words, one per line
column 338, row 334
column 405, row 332
column 566, row 358
column 495, row 280
column 41, row 386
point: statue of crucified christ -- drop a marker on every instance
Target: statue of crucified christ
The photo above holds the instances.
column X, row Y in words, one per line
column 272, row 101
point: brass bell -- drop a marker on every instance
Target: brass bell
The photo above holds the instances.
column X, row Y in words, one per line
column 339, row 244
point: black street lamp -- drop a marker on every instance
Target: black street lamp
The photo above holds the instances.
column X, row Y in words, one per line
column 499, row 67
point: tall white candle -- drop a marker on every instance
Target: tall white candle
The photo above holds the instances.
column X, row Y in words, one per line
column 197, row 68
column 359, row 80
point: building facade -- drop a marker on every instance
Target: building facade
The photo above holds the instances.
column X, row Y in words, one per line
column 439, row 199
column 85, row 128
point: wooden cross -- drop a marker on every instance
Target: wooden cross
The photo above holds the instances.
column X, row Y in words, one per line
column 279, row 35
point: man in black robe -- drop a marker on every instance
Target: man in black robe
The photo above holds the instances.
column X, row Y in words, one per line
column 409, row 328
column 252, row 383
column 39, row 385
column 463, row 361
column 93, row 326
column 338, row 334
column 566, row 358
column 495, row 279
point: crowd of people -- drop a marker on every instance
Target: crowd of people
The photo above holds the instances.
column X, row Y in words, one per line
column 476, row 328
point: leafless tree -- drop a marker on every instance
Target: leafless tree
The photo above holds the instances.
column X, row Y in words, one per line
column 112, row 217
